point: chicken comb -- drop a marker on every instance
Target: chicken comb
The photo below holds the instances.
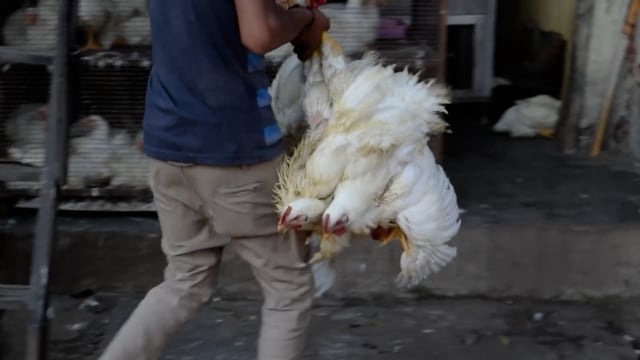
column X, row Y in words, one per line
column 314, row 4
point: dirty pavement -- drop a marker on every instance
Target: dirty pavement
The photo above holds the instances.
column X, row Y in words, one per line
column 354, row 329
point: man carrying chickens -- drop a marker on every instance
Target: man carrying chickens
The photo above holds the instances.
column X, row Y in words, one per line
column 216, row 147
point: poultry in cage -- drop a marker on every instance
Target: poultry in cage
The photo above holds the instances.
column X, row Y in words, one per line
column 26, row 130
column 129, row 166
column 135, row 31
column 129, row 24
column 98, row 17
column 33, row 28
column 354, row 25
column 90, row 153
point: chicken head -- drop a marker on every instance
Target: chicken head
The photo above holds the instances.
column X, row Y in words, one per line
column 301, row 214
column 336, row 225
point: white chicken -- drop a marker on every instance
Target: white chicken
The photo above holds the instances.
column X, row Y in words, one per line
column 129, row 24
column 93, row 17
column 354, row 25
column 286, row 92
column 129, row 166
column 418, row 207
column 26, row 130
column 392, row 179
column 426, row 227
column 296, row 201
column 297, row 204
column 300, row 200
column 27, row 125
column 373, row 164
column 15, row 28
column 90, row 153
column 135, row 31
column 43, row 25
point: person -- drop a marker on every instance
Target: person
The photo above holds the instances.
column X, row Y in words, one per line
column 214, row 147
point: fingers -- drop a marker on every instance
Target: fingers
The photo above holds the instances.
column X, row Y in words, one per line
column 304, row 53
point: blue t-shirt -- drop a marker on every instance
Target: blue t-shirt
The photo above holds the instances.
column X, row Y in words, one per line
column 207, row 100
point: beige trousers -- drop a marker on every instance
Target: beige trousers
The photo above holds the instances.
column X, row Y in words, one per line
column 201, row 209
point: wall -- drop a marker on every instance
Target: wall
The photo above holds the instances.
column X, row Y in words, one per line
column 604, row 44
column 549, row 15
column 600, row 60
column 553, row 15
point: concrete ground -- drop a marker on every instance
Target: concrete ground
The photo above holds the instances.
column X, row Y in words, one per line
column 435, row 329
column 537, row 225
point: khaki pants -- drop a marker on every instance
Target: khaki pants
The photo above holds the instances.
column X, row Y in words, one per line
column 201, row 209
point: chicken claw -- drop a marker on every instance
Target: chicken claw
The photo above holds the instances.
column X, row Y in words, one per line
column 396, row 234
column 91, row 44
column 319, row 256
column 327, row 249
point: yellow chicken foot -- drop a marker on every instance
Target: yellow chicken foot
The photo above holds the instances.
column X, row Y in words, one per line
column 404, row 242
column 319, row 256
column 326, row 252
column 92, row 44
column 547, row 133
column 119, row 41
column 314, row 229
column 396, row 234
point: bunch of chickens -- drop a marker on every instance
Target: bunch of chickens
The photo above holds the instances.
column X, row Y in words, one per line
column 361, row 164
column 99, row 155
column 106, row 23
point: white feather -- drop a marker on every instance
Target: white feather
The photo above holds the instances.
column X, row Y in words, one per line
column 324, row 272
column 429, row 225
column 286, row 94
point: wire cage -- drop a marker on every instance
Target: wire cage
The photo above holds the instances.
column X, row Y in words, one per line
column 408, row 33
column 109, row 71
column 110, row 68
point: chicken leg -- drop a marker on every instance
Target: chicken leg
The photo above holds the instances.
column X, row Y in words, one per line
column 330, row 246
column 314, row 228
column 119, row 41
column 396, row 233
column 91, row 44
column 327, row 243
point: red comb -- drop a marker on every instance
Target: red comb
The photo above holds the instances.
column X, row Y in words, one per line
column 285, row 215
column 314, row 4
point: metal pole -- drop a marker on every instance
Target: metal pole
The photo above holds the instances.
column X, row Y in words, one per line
column 53, row 172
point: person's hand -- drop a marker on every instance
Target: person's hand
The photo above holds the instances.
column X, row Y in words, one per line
column 283, row 3
column 310, row 39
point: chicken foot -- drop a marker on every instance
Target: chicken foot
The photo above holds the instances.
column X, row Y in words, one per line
column 328, row 246
column 91, row 44
column 396, row 233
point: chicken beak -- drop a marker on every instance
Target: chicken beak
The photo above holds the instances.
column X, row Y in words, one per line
column 282, row 228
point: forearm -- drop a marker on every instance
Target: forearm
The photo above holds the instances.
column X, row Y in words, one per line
column 264, row 25
column 285, row 25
